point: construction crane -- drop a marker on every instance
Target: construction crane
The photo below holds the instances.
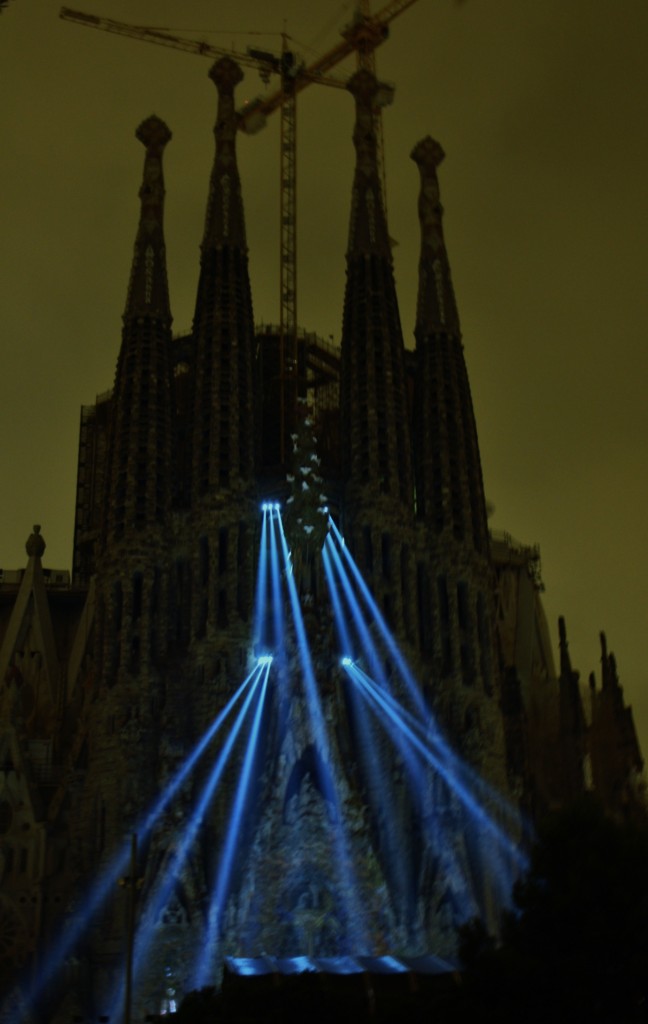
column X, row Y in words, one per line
column 365, row 32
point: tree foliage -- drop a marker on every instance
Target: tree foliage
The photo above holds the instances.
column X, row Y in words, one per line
column 576, row 946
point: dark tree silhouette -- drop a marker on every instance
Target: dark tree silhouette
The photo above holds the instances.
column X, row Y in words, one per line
column 576, row 948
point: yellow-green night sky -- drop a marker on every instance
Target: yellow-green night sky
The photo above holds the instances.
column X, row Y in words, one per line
column 542, row 109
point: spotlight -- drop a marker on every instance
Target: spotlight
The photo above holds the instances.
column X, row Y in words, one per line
column 277, row 506
column 346, row 662
column 265, row 506
column 264, row 659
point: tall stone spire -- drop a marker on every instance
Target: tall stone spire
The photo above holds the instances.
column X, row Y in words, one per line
column 455, row 576
column 375, row 417
column 223, row 435
column 450, row 493
column 131, row 627
column 139, row 469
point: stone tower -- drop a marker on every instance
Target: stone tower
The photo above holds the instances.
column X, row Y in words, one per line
column 375, row 418
column 454, row 573
column 131, row 637
column 215, row 558
column 223, row 328
column 124, row 722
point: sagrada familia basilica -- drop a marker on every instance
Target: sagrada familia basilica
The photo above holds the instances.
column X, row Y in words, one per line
column 294, row 698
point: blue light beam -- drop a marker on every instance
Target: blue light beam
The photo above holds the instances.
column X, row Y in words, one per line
column 455, row 766
column 279, row 621
column 159, row 897
column 335, row 569
column 394, row 714
column 501, row 854
column 76, row 926
column 221, row 887
column 349, row 884
column 367, row 642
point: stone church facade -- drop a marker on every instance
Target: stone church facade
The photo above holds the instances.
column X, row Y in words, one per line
column 110, row 679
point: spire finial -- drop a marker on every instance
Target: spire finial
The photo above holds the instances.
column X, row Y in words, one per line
column 428, row 154
column 35, row 545
column 154, row 134
column 226, row 74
